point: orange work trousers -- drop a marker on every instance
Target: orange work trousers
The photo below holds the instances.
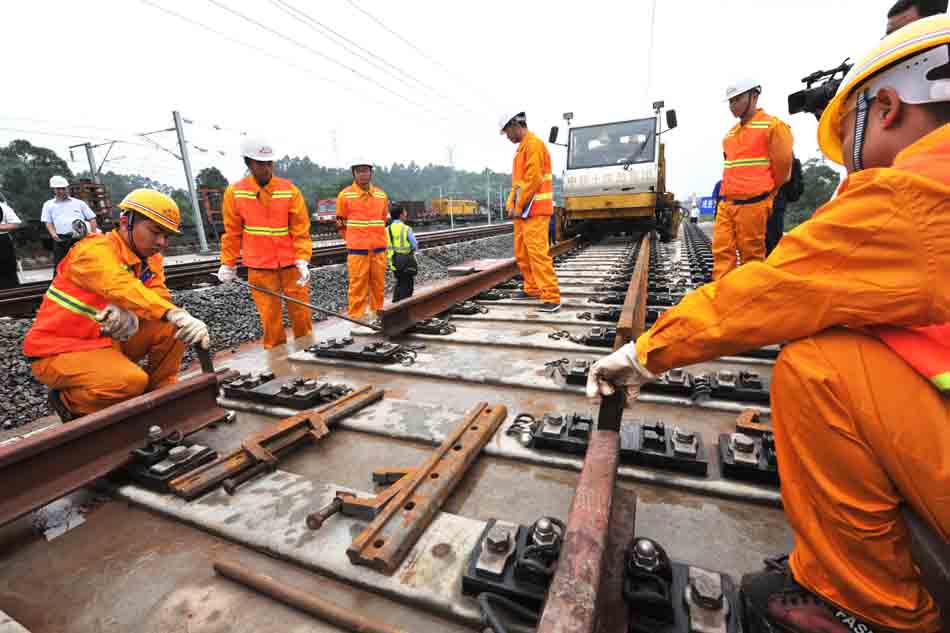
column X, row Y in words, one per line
column 284, row 281
column 739, row 227
column 95, row 379
column 367, row 282
column 857, row 433
column 534, row 258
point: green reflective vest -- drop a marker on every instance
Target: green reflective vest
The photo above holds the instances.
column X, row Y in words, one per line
column 397, row 241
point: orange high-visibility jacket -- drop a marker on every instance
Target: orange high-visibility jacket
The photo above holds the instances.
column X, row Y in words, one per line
column 531, row 178
column 99, row 270
column 268, row 227
column 364, row 215
column 758, row 157
column 876, row 254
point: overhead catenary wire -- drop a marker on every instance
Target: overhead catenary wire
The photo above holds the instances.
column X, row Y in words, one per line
column 365, row 54
column 326, row 57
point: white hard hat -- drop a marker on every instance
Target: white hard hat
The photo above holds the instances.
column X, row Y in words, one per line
column 57, row 182
column 257, row 148
column 361, row 161
column 742, row 86
column 507, row 116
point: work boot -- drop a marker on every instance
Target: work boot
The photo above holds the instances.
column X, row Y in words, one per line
column 549, row 307
column 57, row 405
column 774, row 602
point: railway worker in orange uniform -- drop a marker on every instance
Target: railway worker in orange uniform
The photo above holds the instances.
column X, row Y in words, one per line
column 361, row 213
column 107, row 309
column 266, row 224
column 758, row 161
column 531, row 204
column 861, row 394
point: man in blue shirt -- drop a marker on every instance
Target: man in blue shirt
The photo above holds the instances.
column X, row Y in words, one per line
column 402, row 244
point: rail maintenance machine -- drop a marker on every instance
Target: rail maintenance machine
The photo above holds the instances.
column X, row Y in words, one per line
column 615, row 181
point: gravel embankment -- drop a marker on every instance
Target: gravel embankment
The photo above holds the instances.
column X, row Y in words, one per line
column 229, row 313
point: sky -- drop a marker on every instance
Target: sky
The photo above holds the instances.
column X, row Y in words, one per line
column 421, row 81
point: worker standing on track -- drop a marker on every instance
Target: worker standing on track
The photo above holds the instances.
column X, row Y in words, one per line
column 361, row 212
column 107, row 309
column 758, row 160
column 59, row 213
column 266, row 223
column 402, row 245
column 530, row 205
column 860, row 291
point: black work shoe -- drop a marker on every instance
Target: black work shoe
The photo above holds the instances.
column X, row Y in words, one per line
column 56, row 404
column 549, row 307
column 774, row 602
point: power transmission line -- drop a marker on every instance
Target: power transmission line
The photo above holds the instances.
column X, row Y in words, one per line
column 322, row 55
column 349, row 44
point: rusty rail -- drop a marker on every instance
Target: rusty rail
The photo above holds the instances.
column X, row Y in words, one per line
column 54, row 462
column 399, row 317
column 575, row 593
column 385, row 542
column 306, row 601
column 634, row 312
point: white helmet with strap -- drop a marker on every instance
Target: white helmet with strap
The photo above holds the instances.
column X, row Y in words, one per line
column 741, row 87
column 361, row 161
column 58, row 182
column 510, row 116
column 257, row 148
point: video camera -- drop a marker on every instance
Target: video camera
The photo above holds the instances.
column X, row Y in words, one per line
column 820, row 87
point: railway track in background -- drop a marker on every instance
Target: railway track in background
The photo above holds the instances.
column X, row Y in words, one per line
column 25, row 299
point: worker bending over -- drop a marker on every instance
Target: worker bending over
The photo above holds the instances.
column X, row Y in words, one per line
column 758, row 160
column 531, row 204
column 266, row 224
column 107, row 309
column 861, row 394
column 361, row 211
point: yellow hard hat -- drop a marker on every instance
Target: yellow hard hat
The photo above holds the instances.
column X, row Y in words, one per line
column 881, row 67
column 154, row 205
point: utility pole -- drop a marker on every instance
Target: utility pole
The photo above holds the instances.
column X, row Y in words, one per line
column 183, row 147
column 92, row 163
column 488, row 193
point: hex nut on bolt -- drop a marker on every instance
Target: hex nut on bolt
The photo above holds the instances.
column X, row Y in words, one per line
column 497, row 540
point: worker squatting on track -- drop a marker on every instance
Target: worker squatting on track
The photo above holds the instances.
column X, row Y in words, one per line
column 266, row 224
column 861, row 394
column 530, row 205
column 107, row 308
column 361, row 213
column 757, row 155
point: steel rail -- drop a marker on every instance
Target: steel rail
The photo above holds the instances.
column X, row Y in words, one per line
column 55, row 461
column 398, row 317
column 25, row 299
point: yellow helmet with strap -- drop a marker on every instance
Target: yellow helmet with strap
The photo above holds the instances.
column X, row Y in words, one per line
column 154, row 205
column 905, row 60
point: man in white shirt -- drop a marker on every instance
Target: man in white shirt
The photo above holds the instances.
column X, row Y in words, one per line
column 694, row 214
column 58, row 215
column 8, row 268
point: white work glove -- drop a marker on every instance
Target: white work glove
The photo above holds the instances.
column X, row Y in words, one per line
column 227, row 274
column 303, row 267
column 118, row 323
column 618, row 369
column 191, row 331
